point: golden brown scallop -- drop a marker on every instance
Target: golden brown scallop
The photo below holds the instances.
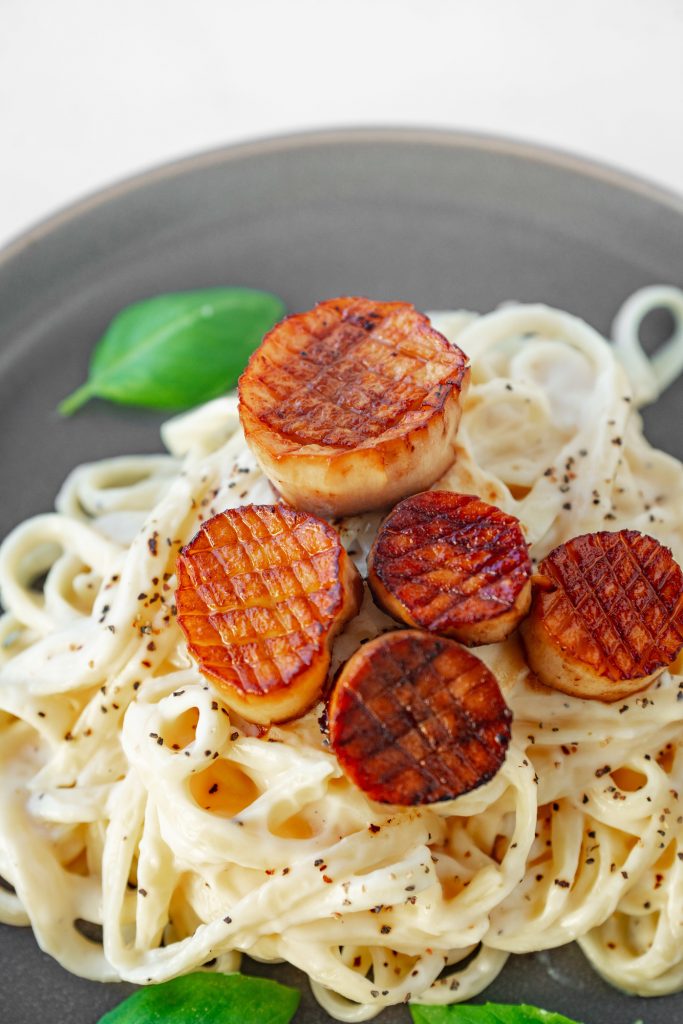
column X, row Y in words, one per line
column 415, row 718
column 353, row 404
column 606, row 616
column 262, row 592
column 454, row 565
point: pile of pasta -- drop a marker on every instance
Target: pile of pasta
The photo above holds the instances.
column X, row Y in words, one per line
column 145, row 832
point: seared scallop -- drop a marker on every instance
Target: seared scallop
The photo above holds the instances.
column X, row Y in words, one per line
column 352, row 405
column 454, row 565
column 415, row 718
column 606, row 616
column 262, row 592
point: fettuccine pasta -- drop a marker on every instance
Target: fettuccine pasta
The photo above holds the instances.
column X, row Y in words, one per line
column 132, row 800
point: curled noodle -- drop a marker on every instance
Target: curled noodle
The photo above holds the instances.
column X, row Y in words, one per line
column 137, row 802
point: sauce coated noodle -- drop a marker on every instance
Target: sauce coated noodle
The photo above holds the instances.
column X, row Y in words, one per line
column 130, row 798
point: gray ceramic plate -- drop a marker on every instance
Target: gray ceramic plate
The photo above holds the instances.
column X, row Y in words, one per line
column 440, row 219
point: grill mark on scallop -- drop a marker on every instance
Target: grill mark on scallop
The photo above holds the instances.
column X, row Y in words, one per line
column 616, row 602
column 260, row 590
column 415, row 719
column 345, row 377
column 450, row 559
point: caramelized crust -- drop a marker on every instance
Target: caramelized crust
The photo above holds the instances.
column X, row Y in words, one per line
column 353, row 404
column 454, row 565
column 415, row 719
column 607, row 615
column 262, row 591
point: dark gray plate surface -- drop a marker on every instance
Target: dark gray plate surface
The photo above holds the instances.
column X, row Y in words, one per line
column 442, row 220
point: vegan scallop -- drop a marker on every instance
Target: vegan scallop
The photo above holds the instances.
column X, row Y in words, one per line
column 415, row 719
column 454, row 565
column 607, row 615
column 262, row 592
column 352, row 405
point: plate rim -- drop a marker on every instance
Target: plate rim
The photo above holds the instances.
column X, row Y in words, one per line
column 630, row 187
column 438, row 137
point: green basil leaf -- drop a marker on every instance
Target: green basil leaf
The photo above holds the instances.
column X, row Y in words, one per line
column 204, row 998
column 489, row 1013
column 175, row 351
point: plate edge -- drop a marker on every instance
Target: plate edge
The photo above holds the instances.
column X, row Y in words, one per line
column 435, row 136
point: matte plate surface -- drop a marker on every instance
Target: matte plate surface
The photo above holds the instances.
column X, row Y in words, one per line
column 442, row 220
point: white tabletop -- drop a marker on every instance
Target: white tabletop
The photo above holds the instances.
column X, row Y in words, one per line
column 93, row 91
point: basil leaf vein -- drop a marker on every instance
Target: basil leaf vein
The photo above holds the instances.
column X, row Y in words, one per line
column 175, row 351
column 204, row 998
column 489, row 1013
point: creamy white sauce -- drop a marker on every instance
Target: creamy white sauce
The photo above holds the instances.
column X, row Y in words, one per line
column 110, row 738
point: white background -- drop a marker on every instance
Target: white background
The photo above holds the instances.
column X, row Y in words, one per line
column 92, row 90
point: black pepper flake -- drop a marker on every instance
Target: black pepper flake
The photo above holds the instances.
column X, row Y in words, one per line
column 318, row 862
column 143, row 892
column 142, row 596
column 152, row 543
column 228, row 920
column 112, row 629
column 599, row 772
column 385, row 929
column 151, row 646
column 562, row 882
column 567, row 506
column 373, row 828
column 214, row 788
